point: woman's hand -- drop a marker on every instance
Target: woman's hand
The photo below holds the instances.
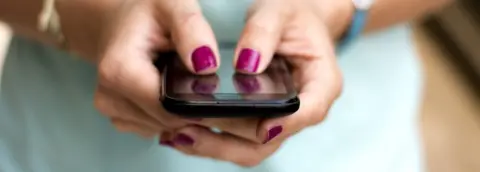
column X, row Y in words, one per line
column 121, row 38
column 129, row 84
column 123, row 45
column 296, row 30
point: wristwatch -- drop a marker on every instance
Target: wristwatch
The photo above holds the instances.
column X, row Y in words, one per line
column 357, row 24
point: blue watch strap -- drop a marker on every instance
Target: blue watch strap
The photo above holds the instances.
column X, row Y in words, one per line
column 355, row 30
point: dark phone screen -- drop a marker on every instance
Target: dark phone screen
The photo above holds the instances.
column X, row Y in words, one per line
column 274, row 84
column 226, row 81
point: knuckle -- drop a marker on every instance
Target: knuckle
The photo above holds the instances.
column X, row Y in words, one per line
column 188, row 18
column 319, row 114
column 109, row 73
column 258, row 28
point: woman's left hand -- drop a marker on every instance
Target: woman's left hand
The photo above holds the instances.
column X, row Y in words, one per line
column 297, row 31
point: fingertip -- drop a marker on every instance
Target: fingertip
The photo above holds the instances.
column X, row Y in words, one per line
column 259, row 39
column 271, row 129
column 272, row 133
column 183, row 139
column 195, row 41
column 248, row 61
column 257, row 45
column 204, row 60
column 188, row 136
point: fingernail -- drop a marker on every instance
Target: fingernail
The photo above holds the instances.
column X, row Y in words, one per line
column 247, row 84
column 183, row 139
column 203, row 88
column 167, row 143
column 248, row 60
column 272, row 133
column 203, row 58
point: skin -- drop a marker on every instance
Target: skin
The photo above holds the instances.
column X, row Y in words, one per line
column 119, row 36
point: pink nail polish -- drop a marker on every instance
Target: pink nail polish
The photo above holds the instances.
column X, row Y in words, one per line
column 203, row 58
column 183, row 139
column 272, row 133
column 248, row 60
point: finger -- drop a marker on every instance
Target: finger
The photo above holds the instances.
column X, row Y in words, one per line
column 166, row 139
column 127, row 67
column 116, row 106
column 316, row 97
column 139, row 80
column 260, row 37
column 136, row 128
column 319, row 79
column 202, row 142
column 245, row 128
column 192, row 36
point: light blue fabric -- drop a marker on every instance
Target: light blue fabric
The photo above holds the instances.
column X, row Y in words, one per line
column 48, row 123
column 356, row 29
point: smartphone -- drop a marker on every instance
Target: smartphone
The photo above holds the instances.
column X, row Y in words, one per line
column 227, row 93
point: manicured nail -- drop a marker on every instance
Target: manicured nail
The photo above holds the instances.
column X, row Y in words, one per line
column 272, row 133
column 247, row 84
column 248, row 60
column 167, row 143
column 183, row 139
column 202, row 87
column 203, row 58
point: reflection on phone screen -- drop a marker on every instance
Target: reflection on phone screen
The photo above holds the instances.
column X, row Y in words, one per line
column 227, row 81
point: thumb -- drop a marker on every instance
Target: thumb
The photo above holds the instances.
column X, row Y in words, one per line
column 260, row 37
column 192, row 36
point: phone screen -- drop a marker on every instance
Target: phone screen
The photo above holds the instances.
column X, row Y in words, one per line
column 275, row 81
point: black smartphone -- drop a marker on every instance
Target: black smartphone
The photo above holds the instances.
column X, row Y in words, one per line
column 227, row 93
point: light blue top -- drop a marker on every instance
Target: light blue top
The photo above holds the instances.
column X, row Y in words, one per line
column 48, row 122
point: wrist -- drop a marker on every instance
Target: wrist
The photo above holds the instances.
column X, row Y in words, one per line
column 337, row 15
column 83, row 22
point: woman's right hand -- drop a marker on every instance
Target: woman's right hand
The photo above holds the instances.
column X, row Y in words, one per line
column 123, row 48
